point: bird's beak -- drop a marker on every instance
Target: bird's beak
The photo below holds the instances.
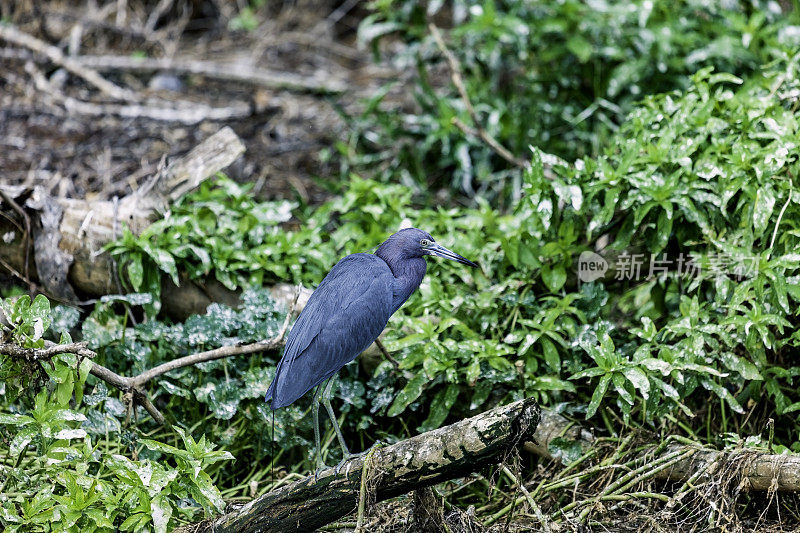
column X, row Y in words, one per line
column 441, row 251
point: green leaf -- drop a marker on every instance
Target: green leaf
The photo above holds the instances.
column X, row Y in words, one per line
column 723, row 394
column 166, row 262
column 619, row 385
column 473, row 372
column 579, row 46
column 552, row 383
column 554, row 276
column 205, row 492
column 162, row 512
column 136, row 271
column 762, row 208
column 409, row 394
column 663, row 232
column 39, row 316
column 597, row 395
column 565, row 450
column 639, row 380
column 15, row 420
column 551, row 356
column 739, row 364
column 440, row 408
column 21, row 440
column 588, row 373
column 134, row 522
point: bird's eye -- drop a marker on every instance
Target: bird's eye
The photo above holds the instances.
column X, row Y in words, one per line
column 424, row 243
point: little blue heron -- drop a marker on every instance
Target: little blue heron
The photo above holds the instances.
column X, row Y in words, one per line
column 345, row 315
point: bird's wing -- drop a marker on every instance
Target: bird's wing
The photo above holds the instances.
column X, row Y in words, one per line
column 343, row 317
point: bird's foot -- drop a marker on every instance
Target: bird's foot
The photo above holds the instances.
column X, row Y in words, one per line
column 350, row 456
column 321, row 467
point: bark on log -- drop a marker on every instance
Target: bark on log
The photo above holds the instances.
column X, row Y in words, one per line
column 69, row 234
column 554, row 425
column 446, row 453
column 757, row 470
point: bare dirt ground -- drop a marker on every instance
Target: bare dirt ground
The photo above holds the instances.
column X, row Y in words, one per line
column 94, row 94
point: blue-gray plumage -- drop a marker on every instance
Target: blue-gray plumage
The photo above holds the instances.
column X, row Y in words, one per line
column 346, row 313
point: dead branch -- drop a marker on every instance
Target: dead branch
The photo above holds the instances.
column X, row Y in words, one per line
column 132, row 386
column 13, row 35
column 446, row 453
column 219, row 353
column 478, row 130
column 42, row 354
column 759, row 470
column 161, row 111
column 154, row 109
column 243, row 71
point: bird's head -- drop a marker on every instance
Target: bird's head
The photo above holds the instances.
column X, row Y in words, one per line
column 413, row 242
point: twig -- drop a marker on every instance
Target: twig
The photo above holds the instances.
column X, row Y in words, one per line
column 132, row 386
column 161, row 110
column 236, row 71
column 614, row 491
column 161, row 8
column 536, row 509
column 478, row 130
column 387, row 355
column 16, row 273
column 203, row 357
column 54, row 54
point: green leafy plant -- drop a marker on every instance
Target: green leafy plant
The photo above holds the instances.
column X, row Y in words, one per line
column 56, row 475
column 559, row 75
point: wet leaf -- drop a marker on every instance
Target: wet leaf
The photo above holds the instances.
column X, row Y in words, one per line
column 409, row 394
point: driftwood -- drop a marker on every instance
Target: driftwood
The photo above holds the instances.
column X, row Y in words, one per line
column 69, row 234
column 446, row 453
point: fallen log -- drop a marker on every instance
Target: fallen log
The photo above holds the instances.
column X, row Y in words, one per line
column 757, row 470
column 446, row 453
column 68, row 261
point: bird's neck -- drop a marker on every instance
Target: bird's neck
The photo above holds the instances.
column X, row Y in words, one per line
column 408, row 273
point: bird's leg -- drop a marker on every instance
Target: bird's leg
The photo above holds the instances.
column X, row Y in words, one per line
column 326, row 401
column 346, row 455
column 320, row 464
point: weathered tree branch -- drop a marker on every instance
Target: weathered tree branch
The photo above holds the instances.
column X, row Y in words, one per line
column 219, row 353
column 446, row 453
column 132, row 386
column 758, row 470
column 42, row 354
column 245, row 71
